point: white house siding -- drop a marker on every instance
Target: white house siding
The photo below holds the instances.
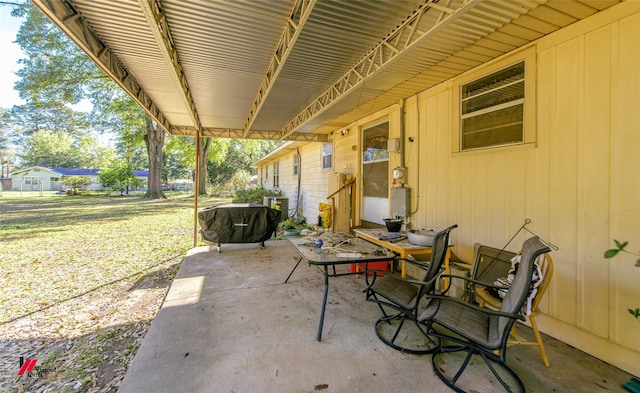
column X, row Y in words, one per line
column 44, row 182
column 313, row 181
column 288, row 184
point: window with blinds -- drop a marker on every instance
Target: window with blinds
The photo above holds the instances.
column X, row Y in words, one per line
column 492, row 109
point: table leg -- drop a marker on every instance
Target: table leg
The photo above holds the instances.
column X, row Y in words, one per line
column 294, row 269
column 447, row 270
column 403, row 264
column 324, row 302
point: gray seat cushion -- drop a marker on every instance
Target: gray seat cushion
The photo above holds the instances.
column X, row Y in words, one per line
column 397, row 291
column 465, row 321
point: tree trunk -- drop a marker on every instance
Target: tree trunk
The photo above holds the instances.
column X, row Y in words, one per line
column 204, row 147
column 154, row 140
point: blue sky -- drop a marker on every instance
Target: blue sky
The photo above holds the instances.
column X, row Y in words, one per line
column 10, row 54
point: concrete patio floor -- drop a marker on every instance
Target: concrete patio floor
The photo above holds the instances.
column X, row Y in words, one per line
column 230, row 324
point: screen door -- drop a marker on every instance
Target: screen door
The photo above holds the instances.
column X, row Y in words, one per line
column 375, row 174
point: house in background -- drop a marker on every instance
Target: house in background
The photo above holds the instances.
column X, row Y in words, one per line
column 39, row 178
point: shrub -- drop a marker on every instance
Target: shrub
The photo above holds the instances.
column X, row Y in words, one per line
column 294, row 223
column 255, row 195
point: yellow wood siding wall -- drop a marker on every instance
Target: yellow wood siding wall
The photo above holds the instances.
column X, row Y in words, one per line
column 578, row 183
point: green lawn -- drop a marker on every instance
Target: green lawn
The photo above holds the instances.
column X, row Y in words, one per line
column 52, row 248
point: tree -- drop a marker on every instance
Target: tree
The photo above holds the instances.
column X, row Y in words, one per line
column 51, row 149
column 6, row 153
column 118, row 176
column 7, row 159
column 241, row 179
column 54, row 70
column 76, row 182
column 182, row 153
column 92, row 155
column 22, row 121
column 178, row 158
column 241, row 154
column 113, row 109
column 154, row 140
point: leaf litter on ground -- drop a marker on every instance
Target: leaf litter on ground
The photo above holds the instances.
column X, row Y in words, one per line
column 81, row 280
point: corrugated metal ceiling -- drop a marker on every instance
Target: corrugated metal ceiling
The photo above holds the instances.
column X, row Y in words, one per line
column 211, row 66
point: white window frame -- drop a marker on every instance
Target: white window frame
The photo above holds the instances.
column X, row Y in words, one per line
column 31, row 180
column 327, row 156
column 528, row 57
column 276, row 174
column 296, row 164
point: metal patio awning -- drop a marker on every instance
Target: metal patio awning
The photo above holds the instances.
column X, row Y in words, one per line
column 296, row 69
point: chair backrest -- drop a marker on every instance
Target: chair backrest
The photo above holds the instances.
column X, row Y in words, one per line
column 488, row 265
column 517, row 293
column 546, row 268
column 438, row 254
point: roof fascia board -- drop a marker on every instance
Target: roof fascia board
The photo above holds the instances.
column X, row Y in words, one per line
column 35, row 167
column 403, row 39
column 157, row 21
column 297, row 18
column 280, row 151
column 75, row 27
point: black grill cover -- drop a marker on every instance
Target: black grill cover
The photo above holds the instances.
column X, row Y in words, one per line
column 238, row 223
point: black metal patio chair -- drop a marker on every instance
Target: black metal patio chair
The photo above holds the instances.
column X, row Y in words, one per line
column 403, row 296
column 480, row 331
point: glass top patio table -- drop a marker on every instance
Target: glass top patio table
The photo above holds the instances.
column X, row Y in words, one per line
column 337, row 249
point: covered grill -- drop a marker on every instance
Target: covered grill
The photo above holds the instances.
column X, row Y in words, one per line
column 238, row 223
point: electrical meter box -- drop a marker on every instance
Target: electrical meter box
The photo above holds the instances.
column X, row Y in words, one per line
column 400, row 202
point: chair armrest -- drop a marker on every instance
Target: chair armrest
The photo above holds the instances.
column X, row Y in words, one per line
column 470, row 280
column 471, row 306
column 420, row 264
column 397, row 278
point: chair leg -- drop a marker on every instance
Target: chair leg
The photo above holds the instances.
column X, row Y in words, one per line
column 492, row 362
column 416, row 341
column 536, row 333
column 384, row 313
column 534, row 326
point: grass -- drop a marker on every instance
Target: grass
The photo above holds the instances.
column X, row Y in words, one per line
column 58, row 247
column 68, row 265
